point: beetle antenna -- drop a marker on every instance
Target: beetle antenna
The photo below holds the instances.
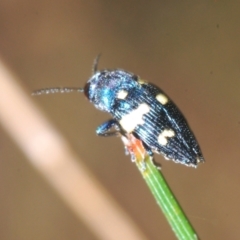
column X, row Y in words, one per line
column 66, row 89
column 56, row 90
column 95, row 63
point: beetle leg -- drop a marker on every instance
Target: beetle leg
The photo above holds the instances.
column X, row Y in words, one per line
column 148, row 149
column 104, row 130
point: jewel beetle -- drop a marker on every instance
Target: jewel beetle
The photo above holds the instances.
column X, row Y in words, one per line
column 141, row 109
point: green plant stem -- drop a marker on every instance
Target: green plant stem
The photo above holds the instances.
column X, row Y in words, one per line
column 166, row 200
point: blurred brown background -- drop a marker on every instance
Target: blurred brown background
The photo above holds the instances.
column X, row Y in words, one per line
column 191, row 50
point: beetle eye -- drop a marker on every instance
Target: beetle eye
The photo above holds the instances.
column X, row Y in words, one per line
column 87, row 89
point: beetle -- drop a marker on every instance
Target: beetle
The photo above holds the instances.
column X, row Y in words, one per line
column 141, row 109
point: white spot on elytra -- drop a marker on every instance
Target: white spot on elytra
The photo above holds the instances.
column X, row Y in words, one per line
column 166, row 133
column 134, row 118
column 122, row 94
column 141, row 81
column 162, row 98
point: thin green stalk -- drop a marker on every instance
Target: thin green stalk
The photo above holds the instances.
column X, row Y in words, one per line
column 160, row 190
column 166, row 200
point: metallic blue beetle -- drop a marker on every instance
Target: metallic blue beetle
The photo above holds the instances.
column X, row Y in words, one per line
column 141, row 109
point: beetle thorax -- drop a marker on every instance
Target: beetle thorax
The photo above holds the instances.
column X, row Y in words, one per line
column 101, row 88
